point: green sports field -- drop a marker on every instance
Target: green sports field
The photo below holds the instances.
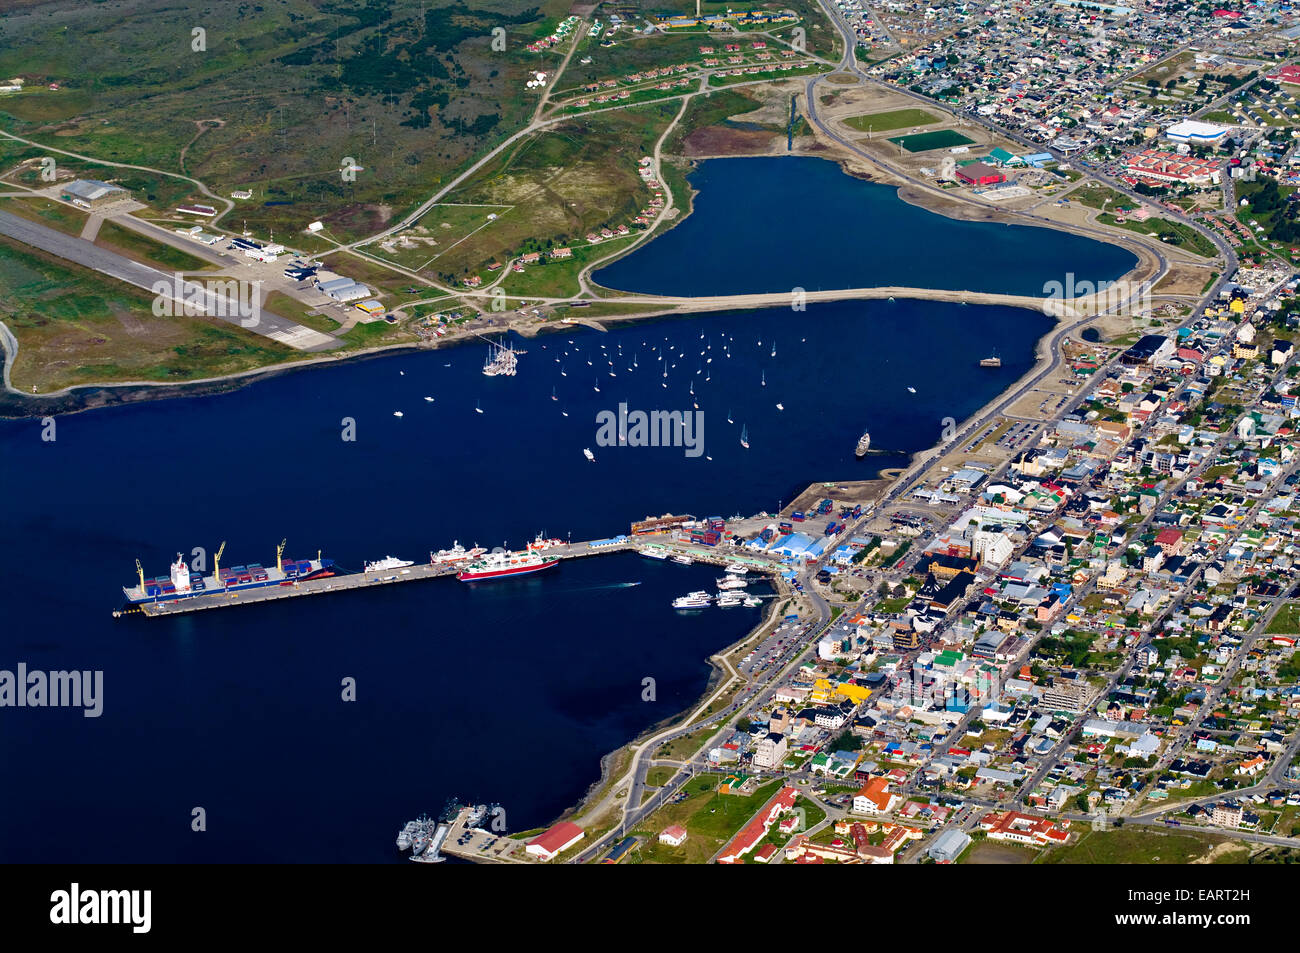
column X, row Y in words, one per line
column 925, row 141
column 889, row 121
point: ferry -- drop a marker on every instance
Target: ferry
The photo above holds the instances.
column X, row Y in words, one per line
column 499, row 564
column 731, row 582
column 695, row 600
column 184, row 583
column 728, row 599
column 683, row 559
column 653, row 553
column 864, row 444
column 736, row 569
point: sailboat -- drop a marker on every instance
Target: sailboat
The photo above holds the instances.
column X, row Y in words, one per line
column 564, row 412
column 477, row 408
column 764, row 379
column 553, row 397
column 729, row 420
column 562, row 372
column 774, row 349
column 744, row 437
column 597, row 385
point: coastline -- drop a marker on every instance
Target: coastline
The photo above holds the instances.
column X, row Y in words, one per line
column 16, row 404
column 1047, row 350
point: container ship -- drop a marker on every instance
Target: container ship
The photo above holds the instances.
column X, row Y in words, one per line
column 499, row 564
column 183, row 583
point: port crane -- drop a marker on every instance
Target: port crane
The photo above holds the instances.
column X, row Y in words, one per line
column 279, row 554
column 139, row 570
column 216, row 561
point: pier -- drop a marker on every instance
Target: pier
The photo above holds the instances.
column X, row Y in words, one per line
column 366, row 580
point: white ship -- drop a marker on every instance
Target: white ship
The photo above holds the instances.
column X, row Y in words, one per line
column 753, row 601
column 695, row 600
column 589, row 455
column 736, row 569
column 732, row 582
column 728, row 599
column 501, row 360
column 388, row 562
column 864, row 444
column 456, row 554
column 683, row 559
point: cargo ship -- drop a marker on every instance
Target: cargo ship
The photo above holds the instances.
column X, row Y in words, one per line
column 993, row 361
column 184, row 583
column 499, row 564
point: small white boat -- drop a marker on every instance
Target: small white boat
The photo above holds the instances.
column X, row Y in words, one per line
column 683, row 559
column 477, row 408
column 780, row 406
column 589, row 455
column 397, row 413
column 911, row 390
column 429, row 399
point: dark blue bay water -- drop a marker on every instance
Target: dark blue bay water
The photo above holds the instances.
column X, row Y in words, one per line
column 771, row 224
column 505, row 692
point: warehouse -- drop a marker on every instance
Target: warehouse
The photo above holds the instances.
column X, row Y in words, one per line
column 555, row 841
column 1189, row 130
column 1150, row 349
column 341, row 288
column 978, row 173
column 92, row 194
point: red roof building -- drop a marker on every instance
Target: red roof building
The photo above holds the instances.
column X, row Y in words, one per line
column 754, row 831
column 977, row 173
column 555, row 841
column 1161, row 166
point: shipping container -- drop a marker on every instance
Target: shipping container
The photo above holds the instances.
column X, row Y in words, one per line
column 797, row 516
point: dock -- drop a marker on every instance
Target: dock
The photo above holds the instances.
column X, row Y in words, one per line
column 658, row 544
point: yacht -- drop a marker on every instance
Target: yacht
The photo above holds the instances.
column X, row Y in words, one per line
column 683, row 559
column 736, row 569
column 728, row 599
column 732, row 582
column 588, row 454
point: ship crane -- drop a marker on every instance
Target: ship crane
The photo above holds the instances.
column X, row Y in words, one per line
column 216, row 561
column 279, row 554
column 140, row 572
